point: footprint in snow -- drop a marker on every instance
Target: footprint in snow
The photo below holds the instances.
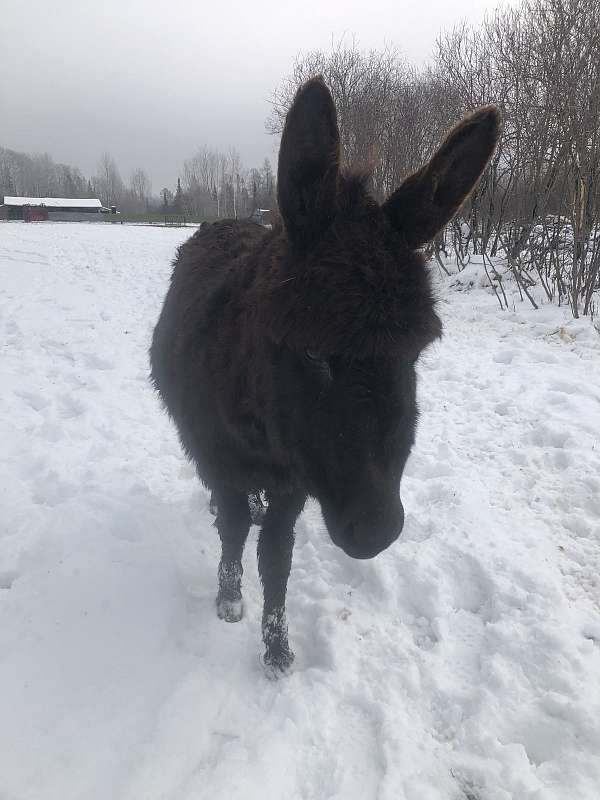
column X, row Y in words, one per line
column 7, row 578
column 565, row 388
column 546, row 436
column 504, row 357
column 71, row 407
column 34, row 400
column 50, row 490
column 93, row 361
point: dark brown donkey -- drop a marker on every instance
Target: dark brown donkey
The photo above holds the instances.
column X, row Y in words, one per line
column 287, row 357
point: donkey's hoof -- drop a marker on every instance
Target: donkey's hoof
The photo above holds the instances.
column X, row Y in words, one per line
column 278, row 663
column 230, row 610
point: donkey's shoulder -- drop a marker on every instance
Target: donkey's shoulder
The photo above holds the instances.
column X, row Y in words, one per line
column 224, row 241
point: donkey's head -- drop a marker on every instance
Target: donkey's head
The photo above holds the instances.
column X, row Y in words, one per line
column 350, row 309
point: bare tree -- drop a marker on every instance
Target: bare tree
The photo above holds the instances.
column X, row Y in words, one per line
column 140, row 189
column 108, row 181
column 38, row 175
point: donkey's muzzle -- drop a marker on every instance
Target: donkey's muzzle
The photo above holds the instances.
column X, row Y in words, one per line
column 366, row 537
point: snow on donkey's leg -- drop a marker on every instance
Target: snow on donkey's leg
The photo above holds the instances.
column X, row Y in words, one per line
column 275, row 546
column 233, row 524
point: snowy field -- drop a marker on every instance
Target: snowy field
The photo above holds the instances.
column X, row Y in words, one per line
column 461, row 664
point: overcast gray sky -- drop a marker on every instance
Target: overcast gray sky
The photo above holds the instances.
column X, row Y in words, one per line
column 151, row 80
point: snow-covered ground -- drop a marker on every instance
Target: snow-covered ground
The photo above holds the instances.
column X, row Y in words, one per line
column 462, row 663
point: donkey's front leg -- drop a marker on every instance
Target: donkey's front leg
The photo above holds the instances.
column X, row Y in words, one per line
column 275, row 546
column 233, row 524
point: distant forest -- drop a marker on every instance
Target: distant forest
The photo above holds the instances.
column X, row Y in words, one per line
column 212, row 184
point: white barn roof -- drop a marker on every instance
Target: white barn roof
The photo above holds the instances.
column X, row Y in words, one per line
column 53, row 202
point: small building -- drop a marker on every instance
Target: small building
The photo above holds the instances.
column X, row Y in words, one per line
column 62, row 209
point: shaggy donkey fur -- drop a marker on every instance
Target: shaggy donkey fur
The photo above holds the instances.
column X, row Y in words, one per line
column 287, row 357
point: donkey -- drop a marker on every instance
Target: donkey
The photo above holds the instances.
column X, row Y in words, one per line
column 286, row 358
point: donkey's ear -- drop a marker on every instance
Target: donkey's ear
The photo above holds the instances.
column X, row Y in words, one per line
column 309, row 164
column 429, row 198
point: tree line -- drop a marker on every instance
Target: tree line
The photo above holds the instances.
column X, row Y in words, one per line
column 212, row 184
column 38, row 176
